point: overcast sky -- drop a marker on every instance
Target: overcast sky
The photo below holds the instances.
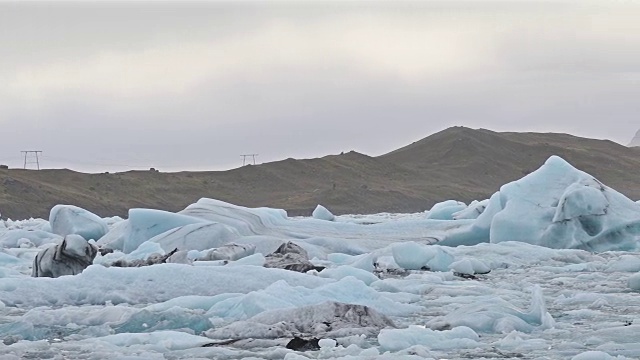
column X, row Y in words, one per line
column 110, row 86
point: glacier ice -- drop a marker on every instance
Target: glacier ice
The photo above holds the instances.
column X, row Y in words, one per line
column 198, row 236
column 414, row 256
column 27, row 238
column 230, row 252
column 142, row 225
column 322, row 213
column 445, row 210
column 498, row 315
column 556, row 206
column 326, row 319
column 472, row 211
column 559, row 206
column 399, row 339
column 70, row 219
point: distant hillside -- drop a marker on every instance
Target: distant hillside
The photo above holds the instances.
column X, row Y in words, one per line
column 636, row 140
column 457, row 163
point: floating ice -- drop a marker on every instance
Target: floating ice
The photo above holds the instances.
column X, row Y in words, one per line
column 499, row 316
column 469, row 266
column 400, row 339
column 229, row 252
column 27, row 238
column 247, row 221
column 634, row 282
column 559, row 206
column 199, row 236
column 142, row 225
column 160, row 341
column 413, row 256
column 98, row 285
column 347, row 290
column 472, row 211
column 327, row 319
column 69, row 219
column 593, row 355
column 445, row 210
column 346, row 270
column 322, row 213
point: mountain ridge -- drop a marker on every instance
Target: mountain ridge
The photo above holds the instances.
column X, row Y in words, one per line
column 455, row 163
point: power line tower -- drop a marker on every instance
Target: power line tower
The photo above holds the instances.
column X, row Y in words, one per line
column 245, row 156
column 34, row 155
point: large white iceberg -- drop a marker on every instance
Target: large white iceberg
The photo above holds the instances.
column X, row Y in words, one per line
column 559, row 206
column 322, row 213
column 198, row 236
column 445, row 210
column 68, row 219
column 142, row 225
column 556, row 206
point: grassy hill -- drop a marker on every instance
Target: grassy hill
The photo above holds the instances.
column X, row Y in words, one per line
column 457, row 163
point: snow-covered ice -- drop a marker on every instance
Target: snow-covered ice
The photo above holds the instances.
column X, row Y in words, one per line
column 547, row 268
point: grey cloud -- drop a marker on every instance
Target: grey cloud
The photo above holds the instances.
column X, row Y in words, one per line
column 194, row 86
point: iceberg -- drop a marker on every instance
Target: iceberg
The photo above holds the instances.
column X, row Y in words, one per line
column 27, row 238
column 143, row 225
column 198, row 236
column 445, row 210
column 499, row 316
column 556, row 206
column 68, row 219
column 559, row 206
column 327, row 319
column 322, row 213
column 247, row 221
column 475, row 209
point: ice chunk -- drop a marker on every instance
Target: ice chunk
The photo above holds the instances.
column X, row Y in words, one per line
column 472, row 211
column 593, row 355
column 469, row 266
column 98, row 284
column 229, row 252
column 254, row 260
column 414, row 256
column 445, row 210
column 76, row 245
column 581, row 200
column 322, row 213
column 559, row 206
column 290, row 256
column 347, row 290
column 327, row 319
column 327, row 343
column 199, row 236
column 69, row 219
column 144, row 251
column 247, row 221
column 411, row 255
column 114, row 239
column 343, row 271
column 27, row 238
column 142, row 225
column 626, row 263
column 498, row 315
column 634, row 282
column 160, row 341
column 70, row 257
column 400, row 339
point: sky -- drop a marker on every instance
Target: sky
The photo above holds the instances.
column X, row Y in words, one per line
column 113, row 86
